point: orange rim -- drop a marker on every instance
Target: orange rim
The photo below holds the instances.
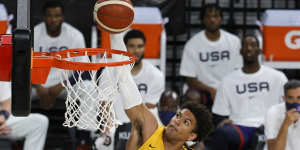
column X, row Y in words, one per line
column 59, row 62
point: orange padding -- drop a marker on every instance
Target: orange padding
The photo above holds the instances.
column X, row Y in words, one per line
column 153, row 36
column 3, row 26
column 275, row 44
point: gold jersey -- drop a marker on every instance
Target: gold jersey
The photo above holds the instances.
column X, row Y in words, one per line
column 155, row 142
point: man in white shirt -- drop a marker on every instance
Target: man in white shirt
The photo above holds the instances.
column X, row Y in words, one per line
column 210, row 54
column 33, row 127
column 282, row 125
column 149, row 80
column 243, row 98
column 50, row 36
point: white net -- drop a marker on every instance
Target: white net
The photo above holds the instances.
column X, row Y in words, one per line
column 91, row 95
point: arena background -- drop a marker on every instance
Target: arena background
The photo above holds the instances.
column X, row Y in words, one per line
column 239, row 17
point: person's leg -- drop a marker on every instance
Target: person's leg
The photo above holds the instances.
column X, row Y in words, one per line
column 248, row 133
column 226, row 137
column 33, row 128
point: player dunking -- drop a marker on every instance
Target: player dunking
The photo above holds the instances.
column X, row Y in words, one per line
column 191, row 123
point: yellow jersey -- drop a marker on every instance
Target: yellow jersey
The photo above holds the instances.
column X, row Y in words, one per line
column 155, row 142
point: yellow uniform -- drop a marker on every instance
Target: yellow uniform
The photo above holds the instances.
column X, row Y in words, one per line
column 155, row 142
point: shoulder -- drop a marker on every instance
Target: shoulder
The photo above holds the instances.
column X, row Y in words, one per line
column 151, row 69
column 230, row 36
column 274, row 72
column 71, row 29
column 276, row 109
column 39, row 27
column 195, row 39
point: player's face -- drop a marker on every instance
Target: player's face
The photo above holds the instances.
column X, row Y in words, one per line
column 212, row 20
column 292, row 95
column 250, row 49
column 136, row 46
column 53, row 19
column 181, row 126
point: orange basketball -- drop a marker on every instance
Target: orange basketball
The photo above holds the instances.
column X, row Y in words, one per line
column 113, row 16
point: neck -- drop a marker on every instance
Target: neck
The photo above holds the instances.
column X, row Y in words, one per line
column 136, row 68
column 213, row 36
column 172, row 144
column 54, row 33
column 251, row 67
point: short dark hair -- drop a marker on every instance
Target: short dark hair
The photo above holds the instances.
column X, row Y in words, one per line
column 292, row 84
column 210, row 6
column 53, row 4
column 203, row 119
column 134, row 33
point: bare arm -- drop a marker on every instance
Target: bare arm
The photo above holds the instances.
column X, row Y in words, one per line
column 196, row 84
column 143, row 124
column 279, row 143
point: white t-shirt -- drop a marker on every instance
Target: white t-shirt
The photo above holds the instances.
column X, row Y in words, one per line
column 209, row 61
column 151, row 84
column 3, row 12
column 5, row 91
column 245, row 98
column 274, row 119
column 69, row 38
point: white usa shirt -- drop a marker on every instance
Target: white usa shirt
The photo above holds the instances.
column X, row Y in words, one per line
column 5, row 90
column 273, row 122
column 209, row 61
column 245, row 98
column 69, row 38
column 151, row 84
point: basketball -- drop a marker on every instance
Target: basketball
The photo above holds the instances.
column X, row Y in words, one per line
column 113, row 16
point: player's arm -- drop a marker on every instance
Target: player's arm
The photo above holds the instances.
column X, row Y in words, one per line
column 143, row 122
column 196, row 84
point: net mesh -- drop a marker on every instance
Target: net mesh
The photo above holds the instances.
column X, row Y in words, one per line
column 91, row 94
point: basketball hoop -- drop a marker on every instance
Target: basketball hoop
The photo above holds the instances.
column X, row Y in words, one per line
column 90, row 98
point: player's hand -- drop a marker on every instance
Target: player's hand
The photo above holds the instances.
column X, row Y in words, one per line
column 4, row 130
column 291, row 117
column 224, row 122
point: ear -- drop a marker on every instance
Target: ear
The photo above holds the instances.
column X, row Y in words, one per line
column 192, row 136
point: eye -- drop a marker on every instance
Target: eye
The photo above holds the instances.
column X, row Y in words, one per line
column 187, row 122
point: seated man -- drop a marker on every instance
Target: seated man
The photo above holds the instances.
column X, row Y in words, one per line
column 282, row 125
column 243, row 98
column 166, row 107
column 192, row 121
column 33, row 127
column 194, row 95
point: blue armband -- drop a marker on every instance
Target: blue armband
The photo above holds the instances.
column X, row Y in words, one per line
column 5, row 113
